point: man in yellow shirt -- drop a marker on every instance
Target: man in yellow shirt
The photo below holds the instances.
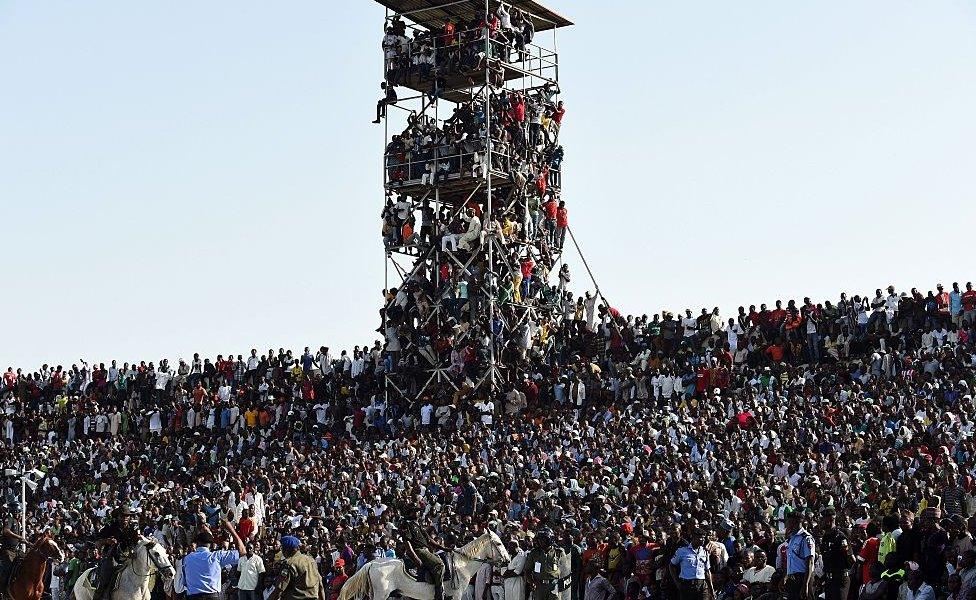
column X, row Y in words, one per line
column 251, row 417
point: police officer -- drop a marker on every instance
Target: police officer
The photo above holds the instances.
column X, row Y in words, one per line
column 420, row 546
column 114, row 539
column 544, row 567
column 299, row 578
column 800, row 553
column 837, row 557
column 690, row 568
column 571, row 539
column 10, row 544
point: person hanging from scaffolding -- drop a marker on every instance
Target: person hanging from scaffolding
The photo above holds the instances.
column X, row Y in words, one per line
column 389, row 97
column 471, row 237
column 562, row 222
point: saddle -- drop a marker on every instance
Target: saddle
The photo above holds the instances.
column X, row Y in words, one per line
column 117, row 567
column 422, row 575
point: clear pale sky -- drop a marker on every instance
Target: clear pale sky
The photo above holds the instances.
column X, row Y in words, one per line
column 203, row 176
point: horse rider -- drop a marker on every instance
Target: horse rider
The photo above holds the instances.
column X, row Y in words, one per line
column 10, row 544
column 420, row 548
column 543, row 565
column 114, row 539
column 299, row 578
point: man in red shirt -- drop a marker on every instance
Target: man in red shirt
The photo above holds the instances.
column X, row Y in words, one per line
column 969, row 304
column 449, row 31
column 542, row 181
column 777, row 315
column 869, row 552
column 245, row 527
column 562, row 222
column 518, row 108
column 550, row 209
column 10, row 378
column 775, row 351
column 339, row 577
column 557, row 118
column 942, row 302
column 527, row 267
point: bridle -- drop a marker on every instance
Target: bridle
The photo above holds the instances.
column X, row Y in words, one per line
column 152, row 562
column 491, row 560
column 47, row 549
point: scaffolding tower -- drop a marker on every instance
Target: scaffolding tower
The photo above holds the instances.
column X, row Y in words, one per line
column 471, row 115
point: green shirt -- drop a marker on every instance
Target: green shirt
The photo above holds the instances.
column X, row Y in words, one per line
column 299, row 579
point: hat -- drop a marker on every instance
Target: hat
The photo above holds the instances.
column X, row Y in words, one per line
column 289, row 542
column 339, row 562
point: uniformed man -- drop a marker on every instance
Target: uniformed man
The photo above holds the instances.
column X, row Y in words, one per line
column 571, row 540
column 800, row 553
column 837, row 558
column 420, row 548
column 10, row 544
column 299, row 578
column 690, row 569
column 114, row 540
column 544, row 568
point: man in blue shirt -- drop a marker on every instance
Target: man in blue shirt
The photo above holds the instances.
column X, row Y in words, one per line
column 800, row 552
column 202, row 567
column 690, row 568
column 955, row 304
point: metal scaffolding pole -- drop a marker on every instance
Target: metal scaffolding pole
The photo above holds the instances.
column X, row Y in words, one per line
column 489, row 217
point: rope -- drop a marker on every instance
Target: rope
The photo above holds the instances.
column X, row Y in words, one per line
column 599, row 294
column 585, row 264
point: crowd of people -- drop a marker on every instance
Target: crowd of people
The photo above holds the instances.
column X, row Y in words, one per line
column 426, row 57
column 524, row 129
column 473, row 197
column 811, row 448
column 665, row 458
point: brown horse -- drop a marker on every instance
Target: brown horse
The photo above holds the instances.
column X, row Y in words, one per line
column 27, row 582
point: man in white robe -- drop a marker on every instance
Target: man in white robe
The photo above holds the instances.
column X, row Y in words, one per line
column 513, row 575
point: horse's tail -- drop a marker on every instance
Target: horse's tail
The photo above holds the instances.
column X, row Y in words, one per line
column 80, row 590
column 358, row 586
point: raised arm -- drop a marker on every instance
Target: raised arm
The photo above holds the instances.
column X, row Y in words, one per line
column 229, row 527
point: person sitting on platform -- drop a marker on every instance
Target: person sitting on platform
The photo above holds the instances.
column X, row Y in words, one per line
column 389, row 97
column 472, row 236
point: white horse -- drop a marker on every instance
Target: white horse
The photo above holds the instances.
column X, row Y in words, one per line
column 137, row 577
column 383, row 576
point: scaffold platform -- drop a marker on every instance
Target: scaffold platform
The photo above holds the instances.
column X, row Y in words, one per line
column 433, row 14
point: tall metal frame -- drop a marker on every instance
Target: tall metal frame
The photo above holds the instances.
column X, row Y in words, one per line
column 536, row 70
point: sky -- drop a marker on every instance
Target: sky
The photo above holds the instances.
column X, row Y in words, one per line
column 180, row 177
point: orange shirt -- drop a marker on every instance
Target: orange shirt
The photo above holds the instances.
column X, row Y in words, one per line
column 597, row 556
